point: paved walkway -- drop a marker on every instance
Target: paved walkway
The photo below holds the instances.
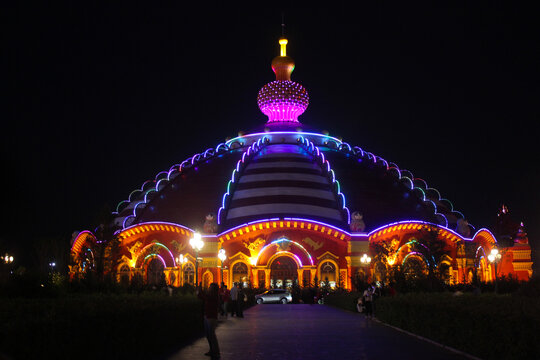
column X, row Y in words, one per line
column 297, row 331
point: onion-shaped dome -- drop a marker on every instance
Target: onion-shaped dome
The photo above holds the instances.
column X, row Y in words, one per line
column 283, row 100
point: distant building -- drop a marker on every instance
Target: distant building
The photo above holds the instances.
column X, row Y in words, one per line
column 288, row 203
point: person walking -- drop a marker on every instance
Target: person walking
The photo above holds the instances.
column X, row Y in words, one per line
column 234, row 299
column 211, row 304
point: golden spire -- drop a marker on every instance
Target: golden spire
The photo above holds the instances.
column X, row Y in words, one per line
column 283, row 43
column 283, row 65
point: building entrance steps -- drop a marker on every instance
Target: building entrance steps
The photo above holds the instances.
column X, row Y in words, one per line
column 300, row 331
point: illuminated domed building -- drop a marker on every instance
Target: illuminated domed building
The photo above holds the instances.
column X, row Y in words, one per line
column 285, row 204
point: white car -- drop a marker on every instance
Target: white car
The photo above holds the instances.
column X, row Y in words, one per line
column 274, row 295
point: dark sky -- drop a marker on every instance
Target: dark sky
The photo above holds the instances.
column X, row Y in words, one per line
column 99, row 98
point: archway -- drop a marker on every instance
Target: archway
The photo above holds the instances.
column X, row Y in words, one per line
column 414, row 267
column 189, row 274
column 207, row 279
column 283, row 272
column 240, row 273
column 328, row 274
column 154, row 272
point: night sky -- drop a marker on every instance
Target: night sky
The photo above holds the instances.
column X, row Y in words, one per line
column 100, row 98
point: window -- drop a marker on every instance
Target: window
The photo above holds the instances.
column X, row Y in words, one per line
column 189, row 274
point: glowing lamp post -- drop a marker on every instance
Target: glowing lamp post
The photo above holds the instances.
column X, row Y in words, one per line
column 196, row 244
column 365, row 260
column 494, row 257
column 181, row 260
column 222, row 256
column 8, row 259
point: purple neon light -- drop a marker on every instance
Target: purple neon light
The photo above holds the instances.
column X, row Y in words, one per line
column 290, row 253
column 251, row 151
column 283, row 101
column 81, row 234
column 158, row 256
column 320, row 155
column 414, row 253
column 177, row 167
column 280, row 240
column 163, row 246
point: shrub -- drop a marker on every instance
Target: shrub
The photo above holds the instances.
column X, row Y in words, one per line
column 490, row 326
column 98, row 326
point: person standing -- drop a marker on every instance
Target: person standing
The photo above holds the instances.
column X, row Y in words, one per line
column 234, row 299
column 211, row 304
column 240, row 302
column 224, row 295
column 367, row 300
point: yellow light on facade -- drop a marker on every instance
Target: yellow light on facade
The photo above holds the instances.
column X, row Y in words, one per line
column 283, row 47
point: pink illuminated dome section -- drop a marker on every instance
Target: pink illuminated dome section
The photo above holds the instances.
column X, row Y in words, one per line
column 283, row 100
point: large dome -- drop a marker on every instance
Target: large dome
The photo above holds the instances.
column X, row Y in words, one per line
column 284, row 172
column 311, row 203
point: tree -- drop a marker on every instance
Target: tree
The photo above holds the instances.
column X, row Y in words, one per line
column 430, row 246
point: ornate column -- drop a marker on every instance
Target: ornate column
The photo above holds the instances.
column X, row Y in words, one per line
column 300, row 276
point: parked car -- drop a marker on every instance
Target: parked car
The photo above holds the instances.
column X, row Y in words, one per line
column 274, row 295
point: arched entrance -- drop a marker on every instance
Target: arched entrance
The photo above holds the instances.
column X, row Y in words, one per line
column 283, row 272
column 154, row 272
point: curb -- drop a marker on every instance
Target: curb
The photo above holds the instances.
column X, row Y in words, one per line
column 469, row 356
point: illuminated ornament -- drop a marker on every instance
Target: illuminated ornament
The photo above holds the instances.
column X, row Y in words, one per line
column 283, row 100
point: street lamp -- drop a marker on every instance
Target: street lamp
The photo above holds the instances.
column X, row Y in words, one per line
column 8, row 259
column 365, row 259
column 222, row 256
column 196, row 244
column 494, row 257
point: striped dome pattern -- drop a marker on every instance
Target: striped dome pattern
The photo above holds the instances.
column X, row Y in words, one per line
column 283, row 180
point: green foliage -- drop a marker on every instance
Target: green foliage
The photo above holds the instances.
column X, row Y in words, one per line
column 490, row 326
column 99, row 326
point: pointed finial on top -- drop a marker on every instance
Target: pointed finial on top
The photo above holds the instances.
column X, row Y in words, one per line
column 283, row 40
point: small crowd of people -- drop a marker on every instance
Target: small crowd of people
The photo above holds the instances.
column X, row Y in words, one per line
column 220, row 301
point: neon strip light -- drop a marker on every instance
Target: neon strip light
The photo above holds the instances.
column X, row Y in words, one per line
column 163, row 246
column 222, row 147
column 290, row 253
column 270, row 134
column 422, row 245
column 373, row 232
column 281, row 240
column 253, row 149
column 309, row 145
column 154, row 223
column 80, row 239
column 155, row 255
column 414, row 253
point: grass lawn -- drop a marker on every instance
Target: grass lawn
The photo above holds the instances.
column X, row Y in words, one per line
column 98, row 326
column 485, row 325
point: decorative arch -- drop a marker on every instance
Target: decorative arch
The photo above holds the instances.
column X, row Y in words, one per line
column 235, row 265
column 414, row 256
column 168, row 253
column 207, row 279
column 84, row 238
column 288, row 254
column 292, row 242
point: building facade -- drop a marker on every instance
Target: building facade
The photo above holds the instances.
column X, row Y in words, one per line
column 289, row 204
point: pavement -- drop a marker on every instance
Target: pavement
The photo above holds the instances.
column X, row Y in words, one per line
column 301, row 331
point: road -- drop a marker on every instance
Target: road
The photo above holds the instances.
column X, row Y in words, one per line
column 298, row 331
